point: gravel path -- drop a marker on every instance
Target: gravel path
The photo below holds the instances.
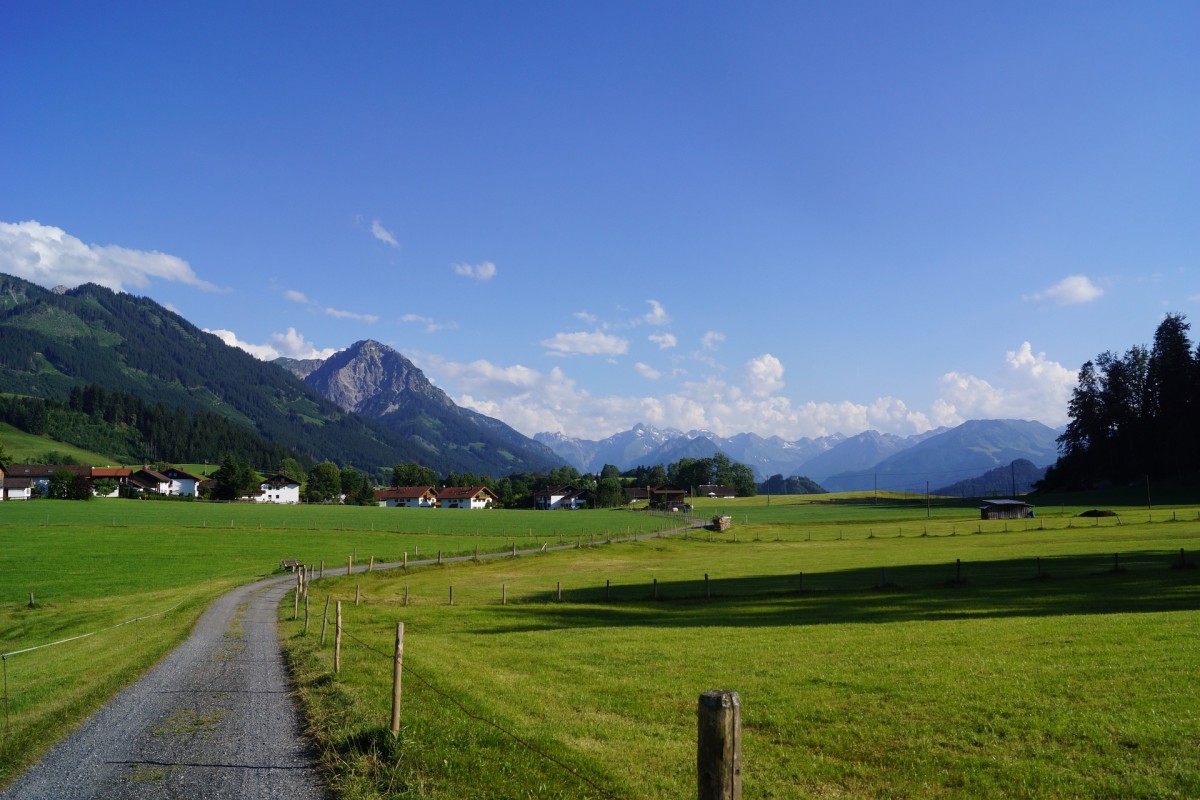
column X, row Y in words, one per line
column 213, row 720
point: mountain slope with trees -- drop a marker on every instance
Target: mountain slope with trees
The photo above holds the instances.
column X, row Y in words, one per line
column 52, row 343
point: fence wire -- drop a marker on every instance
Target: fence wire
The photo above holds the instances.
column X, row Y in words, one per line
column 479, row 718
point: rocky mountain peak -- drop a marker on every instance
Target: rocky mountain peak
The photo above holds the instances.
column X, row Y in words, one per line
column 373, row 379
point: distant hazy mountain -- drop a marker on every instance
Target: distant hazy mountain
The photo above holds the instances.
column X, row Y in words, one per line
column 856, row 453
column 375, row 381
column 1005, row 481
column 957, row 454
column 647, row 445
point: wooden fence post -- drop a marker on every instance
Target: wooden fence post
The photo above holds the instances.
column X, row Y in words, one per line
column 349, row 564
column 406, row 559
column 371, row 566
column 337, row 640
column 504, row 594
column 296, row 597
column 396, row 670
column 357, row 593
column 719, row 746
column 306, row 613
column 322, row 568
column 324, row 620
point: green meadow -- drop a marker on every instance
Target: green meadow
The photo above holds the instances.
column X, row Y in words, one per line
column 886, row 650
column 93, row 567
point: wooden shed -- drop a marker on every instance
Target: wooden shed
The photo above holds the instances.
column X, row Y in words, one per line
column 1005, row 509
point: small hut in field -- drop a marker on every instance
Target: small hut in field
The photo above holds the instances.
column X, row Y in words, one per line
column 1005, row 509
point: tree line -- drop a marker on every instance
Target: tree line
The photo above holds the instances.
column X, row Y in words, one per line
column 1132, row 416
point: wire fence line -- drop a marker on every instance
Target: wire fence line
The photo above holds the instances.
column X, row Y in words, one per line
column 525, row 743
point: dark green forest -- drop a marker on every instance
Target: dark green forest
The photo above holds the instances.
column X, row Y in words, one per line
column 1133, row 416
column 131, row 431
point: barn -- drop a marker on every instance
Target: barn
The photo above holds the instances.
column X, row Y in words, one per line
column 1005, row 509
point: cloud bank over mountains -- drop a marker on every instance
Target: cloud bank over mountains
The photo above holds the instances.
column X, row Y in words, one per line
column 697, row 390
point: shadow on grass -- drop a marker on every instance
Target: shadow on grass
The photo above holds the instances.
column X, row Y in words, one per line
column 1139, row 582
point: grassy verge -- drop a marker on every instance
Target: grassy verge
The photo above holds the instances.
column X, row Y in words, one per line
column 91, row 566
column 948, row 664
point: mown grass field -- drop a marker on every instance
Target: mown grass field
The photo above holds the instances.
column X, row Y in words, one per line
column 881, row 651
column 94, row 565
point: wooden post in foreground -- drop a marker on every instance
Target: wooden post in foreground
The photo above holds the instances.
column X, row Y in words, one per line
column 349, row 564
column 306, row 613
column 396, row 670
column 296, row 597
column 324, row 620
column 337, row 640
column 719, row 746
column 371, row 566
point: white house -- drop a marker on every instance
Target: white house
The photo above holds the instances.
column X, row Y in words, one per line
column 279, row 488
column 180, row 482
column 466, row 497
column 556, row 497
column 406, row 497
column 18, row 489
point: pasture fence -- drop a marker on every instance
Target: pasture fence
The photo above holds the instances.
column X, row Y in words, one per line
column 399, row 667
column 985, row 575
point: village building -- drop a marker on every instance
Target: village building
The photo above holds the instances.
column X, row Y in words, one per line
column 662, row 496
column 279, row 489
column 181, row 482
column 1005, row 509
column 17, row 489
column 559, row 497
column 120, row 475
column 474, row 497
column 406, row 497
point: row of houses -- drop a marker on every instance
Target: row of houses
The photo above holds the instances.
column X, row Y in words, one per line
column 26, row 481
column 553, row 498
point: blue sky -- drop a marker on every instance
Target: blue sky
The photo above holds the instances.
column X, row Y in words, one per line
column 786, row 218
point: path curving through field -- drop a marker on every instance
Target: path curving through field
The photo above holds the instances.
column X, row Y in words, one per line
column 214, row 719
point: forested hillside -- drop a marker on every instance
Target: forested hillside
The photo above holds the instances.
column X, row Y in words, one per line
column 129, row 431
column 53, row 342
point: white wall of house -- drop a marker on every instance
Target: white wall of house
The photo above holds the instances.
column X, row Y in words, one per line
column 284, row 495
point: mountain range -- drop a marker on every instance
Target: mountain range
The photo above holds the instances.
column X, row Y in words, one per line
column 838, row 463
column 370, row 407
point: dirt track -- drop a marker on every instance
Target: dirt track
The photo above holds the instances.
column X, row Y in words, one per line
column 212, row 720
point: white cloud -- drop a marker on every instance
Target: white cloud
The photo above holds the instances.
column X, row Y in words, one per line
column 290, row 344
column 647, row 371
column 587, row 317
column 584, row 343
column 297, row 297
column 1072, row 290
column 1028, row 386
column 665, row 341
column 50, row 257
column 340, row 314
column 383, row 234
column 711, row 339
column 1034, row 388
column 763, row 375
column 480, row 272
column 431, row 326
column 657, row 315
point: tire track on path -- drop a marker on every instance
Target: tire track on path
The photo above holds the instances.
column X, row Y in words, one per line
column 213, row 719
